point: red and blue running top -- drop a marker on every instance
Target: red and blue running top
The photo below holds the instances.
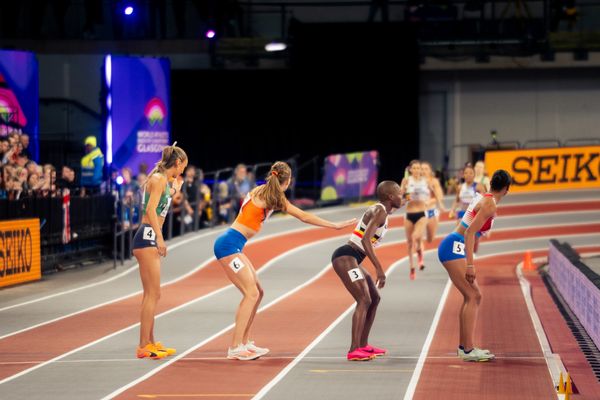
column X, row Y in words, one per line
column 470, row 214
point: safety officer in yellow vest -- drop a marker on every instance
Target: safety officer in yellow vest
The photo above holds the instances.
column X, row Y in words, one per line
column 92, row 164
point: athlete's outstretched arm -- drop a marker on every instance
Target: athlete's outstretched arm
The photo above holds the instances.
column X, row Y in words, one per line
column 312, row 219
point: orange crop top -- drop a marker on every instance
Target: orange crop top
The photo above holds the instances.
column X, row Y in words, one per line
column 252, row 216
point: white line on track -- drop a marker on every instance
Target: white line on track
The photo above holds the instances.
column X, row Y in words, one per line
column 425, row 349
column 412, row 384
column 200, row 236
column 218, row 230
column 179, row 278
column 410, row 391
column 225, row 329
column 108, row 280
column 268, row 265
column 318, row 339
column 271, row 357
column 257, row 240
column 222, row 331
column 212, row 231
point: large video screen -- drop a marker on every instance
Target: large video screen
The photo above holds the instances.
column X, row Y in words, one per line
column 138, row 117
column 19, row 96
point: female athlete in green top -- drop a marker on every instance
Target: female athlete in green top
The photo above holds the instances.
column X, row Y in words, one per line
column 149, row 245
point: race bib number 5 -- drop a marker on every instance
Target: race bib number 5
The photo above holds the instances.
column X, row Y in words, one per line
column 356, row 274
column 458, row 248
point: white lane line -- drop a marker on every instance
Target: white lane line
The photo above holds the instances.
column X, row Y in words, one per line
column 218, row 230
column 207, row 340
column 268, row 265
column 271, row 357
column 213, row 231
column 424, row 351
column 319, row 338
column 108, row 280
column 150, row 373
column 201, row 266
column 202, row 343
column 189, row 273
column 412, row 385
column 553, row 360
column 194, row 270
column 209, row 295
column 410, row 391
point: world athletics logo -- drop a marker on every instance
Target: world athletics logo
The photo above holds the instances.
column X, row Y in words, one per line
column 155, row 111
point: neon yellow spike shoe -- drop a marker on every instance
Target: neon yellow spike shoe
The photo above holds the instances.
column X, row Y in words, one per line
column 150, row 351
column 159, row 346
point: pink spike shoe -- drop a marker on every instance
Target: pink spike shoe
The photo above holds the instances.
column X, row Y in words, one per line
column 358, row 355
column 377, row 352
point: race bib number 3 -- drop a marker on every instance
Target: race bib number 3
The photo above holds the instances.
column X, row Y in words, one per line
column 458, row 248
column 149, row 233
column 236, row 265
column 356, row 274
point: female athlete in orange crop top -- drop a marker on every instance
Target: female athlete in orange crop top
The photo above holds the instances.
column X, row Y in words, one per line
column 257, row 207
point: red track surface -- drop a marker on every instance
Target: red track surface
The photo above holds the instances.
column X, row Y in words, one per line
column 319, row 304
column 97, row 323
column 78, row 330
column 505, row 327
column 287, row 334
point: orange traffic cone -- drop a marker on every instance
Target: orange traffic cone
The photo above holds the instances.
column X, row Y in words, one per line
column 569, row 388
column 561, row 384
column 527, row 263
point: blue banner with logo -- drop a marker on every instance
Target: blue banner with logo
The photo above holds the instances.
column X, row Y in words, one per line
column 19, row 96
column 138, row 122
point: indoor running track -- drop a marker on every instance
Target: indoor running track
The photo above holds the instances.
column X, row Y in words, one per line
column 73, row 335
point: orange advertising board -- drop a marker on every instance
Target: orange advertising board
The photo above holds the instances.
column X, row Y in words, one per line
column 20, row 259
column 548, row 169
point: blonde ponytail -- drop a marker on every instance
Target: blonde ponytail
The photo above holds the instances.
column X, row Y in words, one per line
column 271, row 192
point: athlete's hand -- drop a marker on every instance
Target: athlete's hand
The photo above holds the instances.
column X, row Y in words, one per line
column 380, row 280
column 470, row 274
column 162, row 247
column 451, row 214
column 343, row 224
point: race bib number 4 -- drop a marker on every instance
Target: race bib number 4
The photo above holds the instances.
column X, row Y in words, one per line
column 458, row 248
column 236, row 265
column 356, row 274
column 149, row 233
